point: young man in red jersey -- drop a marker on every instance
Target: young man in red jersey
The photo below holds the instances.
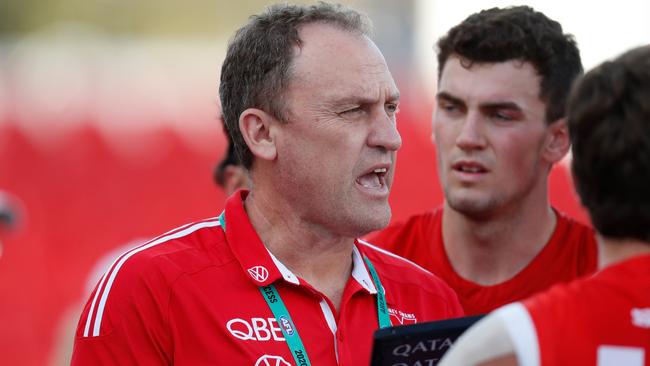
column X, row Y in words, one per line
column 604, row 319
column 499, row 127
column 279, row 278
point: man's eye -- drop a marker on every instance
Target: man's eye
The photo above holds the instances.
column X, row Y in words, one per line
column 448, row 107
column 392, row 108
column 352, row 111
column 501, row 116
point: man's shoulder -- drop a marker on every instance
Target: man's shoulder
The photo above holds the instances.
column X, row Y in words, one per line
column 184, row 246
column 164, row 258
column 146, row 273
column 564, row 301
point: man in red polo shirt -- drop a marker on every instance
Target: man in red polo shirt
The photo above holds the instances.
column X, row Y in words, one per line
column 499, row 127
column 279, row 278
column 604, row 319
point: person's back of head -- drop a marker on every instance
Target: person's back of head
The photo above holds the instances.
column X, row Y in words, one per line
column 609, row 124
column 518, row 33
column 257, row 67
column 229, row 174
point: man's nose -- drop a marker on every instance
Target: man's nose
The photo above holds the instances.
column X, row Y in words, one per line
column 471, row 135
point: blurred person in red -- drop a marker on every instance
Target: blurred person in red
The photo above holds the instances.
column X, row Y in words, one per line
column 604, row 319
column 499, row 127
column 11, row 216
column 279, row 278
column 230, row 174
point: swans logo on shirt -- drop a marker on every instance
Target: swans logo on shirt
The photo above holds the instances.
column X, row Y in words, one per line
column 401, row 317
column 259, row 273
column 268, row 360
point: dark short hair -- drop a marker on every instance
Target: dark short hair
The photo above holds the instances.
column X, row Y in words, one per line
column 257, row 67
column 609, row 125
column 518, row 33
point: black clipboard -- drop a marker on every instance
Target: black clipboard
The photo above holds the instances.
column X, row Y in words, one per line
column 421, row 344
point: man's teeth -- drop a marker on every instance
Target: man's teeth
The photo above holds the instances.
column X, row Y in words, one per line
column 370, row 181
column 380, row 170
column 470, row 169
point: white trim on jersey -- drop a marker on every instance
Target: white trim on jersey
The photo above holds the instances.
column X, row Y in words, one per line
column 523, row 335
column 115, row 267
column 360, row 273
column 383, row 251
column 286, row 273
column 331, row 322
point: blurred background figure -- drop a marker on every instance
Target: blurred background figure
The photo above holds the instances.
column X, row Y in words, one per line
column 230, row 174
column 109, row 128
column 11, row 216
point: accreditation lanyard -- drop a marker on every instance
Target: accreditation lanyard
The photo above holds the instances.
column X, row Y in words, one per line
column 282, row 316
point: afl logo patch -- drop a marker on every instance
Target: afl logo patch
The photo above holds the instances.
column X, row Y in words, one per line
column 285, row 323
column 259, row 273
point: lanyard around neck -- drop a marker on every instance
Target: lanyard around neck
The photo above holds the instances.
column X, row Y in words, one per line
column 289, row 330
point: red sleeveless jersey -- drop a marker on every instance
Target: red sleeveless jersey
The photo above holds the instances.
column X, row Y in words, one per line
column 602, row 320
column 570, row 253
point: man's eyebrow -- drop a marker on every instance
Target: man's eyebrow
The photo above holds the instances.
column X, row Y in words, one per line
column 359, row 99
column 501, row 105
column 448, row 97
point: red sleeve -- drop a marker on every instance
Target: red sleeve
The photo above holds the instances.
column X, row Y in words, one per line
column 129, row 327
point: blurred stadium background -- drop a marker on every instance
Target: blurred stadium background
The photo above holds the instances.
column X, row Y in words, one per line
column 108, row 131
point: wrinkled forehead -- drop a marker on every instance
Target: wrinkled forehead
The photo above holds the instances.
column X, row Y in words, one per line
column 334, row 58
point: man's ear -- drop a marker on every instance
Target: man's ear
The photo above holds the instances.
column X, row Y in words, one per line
column 557, row 142
column 255, row 127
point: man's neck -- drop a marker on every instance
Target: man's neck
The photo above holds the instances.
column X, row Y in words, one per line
column 492, row 251
column 312, row 253
column 613, row 251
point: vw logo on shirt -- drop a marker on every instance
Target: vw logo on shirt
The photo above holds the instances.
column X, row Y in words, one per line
column 259, row 273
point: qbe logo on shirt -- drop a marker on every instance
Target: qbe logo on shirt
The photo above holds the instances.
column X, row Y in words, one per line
column 255, row 329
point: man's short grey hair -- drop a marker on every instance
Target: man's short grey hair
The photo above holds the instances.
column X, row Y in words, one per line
column 257, row 68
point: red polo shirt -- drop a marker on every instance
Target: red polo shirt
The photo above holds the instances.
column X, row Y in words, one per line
column 191, row 297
